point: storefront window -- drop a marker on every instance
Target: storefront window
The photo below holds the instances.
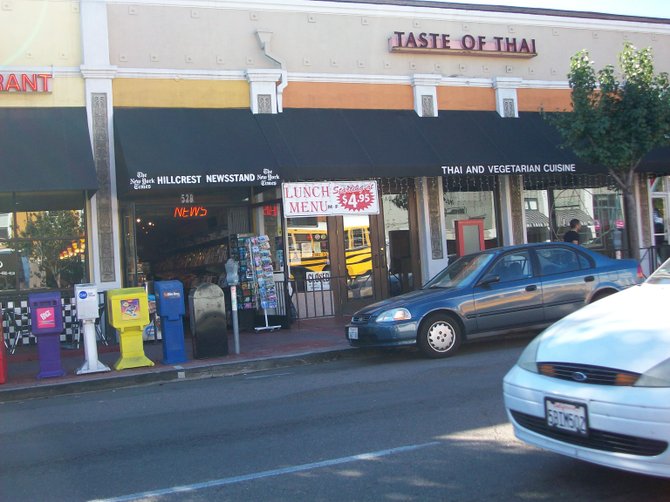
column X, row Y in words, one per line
column 307, row 240
column 42, row 242
column 268, row 218
column 660, row 201
column 470, row 206
column 397, row 235
column 598, row 209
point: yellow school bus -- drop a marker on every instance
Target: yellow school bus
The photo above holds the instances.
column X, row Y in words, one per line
column 308, row 250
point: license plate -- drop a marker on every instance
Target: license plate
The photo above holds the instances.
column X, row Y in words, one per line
column 353, row 333
column 566, row 416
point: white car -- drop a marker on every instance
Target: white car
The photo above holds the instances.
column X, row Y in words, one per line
column 596, row 384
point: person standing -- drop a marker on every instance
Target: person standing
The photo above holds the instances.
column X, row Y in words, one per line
column 572, row 235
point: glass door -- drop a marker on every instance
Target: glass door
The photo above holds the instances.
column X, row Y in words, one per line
column 360, row 259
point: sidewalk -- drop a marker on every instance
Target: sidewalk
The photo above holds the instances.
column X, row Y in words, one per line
column 307, row 341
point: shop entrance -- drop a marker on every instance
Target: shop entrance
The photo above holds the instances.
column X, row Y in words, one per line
column 341, row 263
column 336, row 263
column 359, row 258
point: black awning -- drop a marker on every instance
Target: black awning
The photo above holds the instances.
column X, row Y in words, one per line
column 163, row 149
column 45, row 149
column 484, row 143
column 656, row 162
column 346, row 144
column 160, row 149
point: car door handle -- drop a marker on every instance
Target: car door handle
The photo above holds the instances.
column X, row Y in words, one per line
column 532, row 287
column 589, row 278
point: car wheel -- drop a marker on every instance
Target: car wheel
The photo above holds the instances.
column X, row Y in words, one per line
column 602, row 294
column 439, row 336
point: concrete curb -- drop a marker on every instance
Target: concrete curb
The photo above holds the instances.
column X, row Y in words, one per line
column 164, row 374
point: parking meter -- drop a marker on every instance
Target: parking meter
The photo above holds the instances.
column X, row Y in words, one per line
column 232, row 275
column 86, row 301
column 46, row 318
column 233, row 279
column 617, row 242
column 171, row 308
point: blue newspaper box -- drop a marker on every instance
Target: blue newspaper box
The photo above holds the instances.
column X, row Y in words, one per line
column 46, row 319
column 171, row 308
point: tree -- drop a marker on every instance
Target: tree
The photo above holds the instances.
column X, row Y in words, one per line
column 617, row 119
column 49, row 233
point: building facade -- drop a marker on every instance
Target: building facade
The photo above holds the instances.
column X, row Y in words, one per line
column 199, row 111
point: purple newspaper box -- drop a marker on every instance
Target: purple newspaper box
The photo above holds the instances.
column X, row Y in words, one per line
column 46, row 318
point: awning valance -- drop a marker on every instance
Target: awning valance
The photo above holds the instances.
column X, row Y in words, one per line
column 162, row 149
column 165, row 149
column 45, row 149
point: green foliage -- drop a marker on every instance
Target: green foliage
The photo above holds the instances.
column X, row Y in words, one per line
column 617, row 118
column 49, row 232
column 53, row 224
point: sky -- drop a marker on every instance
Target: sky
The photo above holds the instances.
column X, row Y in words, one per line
column 648, row 8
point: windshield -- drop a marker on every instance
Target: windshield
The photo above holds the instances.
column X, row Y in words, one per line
column 460, row 272
column 661, row 275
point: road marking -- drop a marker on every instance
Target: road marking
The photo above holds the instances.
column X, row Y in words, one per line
column 266, row 474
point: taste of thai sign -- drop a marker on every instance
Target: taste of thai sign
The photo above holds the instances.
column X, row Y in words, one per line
column 468, row 45
column 330, row 198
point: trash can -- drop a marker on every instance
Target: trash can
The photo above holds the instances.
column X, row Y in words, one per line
column 170, row 306
column 46, row 319
column 207, row 311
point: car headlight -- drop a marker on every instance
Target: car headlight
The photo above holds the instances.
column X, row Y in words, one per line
column 528, row 358
column 397, row 314
column 658, row 376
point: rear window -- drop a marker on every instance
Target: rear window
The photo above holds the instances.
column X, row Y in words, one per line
column 561, row 260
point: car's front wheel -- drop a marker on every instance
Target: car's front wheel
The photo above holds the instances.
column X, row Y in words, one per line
column 439, row 336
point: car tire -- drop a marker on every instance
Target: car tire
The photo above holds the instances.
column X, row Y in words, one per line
column 602, row 294
column 439, row 336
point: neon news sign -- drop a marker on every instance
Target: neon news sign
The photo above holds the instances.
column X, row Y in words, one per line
column 189, row 212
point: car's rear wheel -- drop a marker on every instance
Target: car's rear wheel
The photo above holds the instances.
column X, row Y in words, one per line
column 602, row 294
column 439, row 336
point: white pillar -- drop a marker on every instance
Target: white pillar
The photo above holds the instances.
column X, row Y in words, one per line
column 425, row 94
column 104, row 226
column 263, row 90
column 506, row 99
column 430, row 202
column 506, row 212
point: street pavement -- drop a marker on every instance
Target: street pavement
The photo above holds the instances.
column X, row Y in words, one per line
column 305, row 342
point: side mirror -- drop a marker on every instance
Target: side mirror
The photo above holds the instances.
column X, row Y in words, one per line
column 489, row 279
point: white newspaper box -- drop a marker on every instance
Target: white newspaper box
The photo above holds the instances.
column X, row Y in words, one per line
column 86, row 298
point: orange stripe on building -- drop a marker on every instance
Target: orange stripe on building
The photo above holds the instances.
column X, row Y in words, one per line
column 348, row 96
column 466, row 98
column 550, row 100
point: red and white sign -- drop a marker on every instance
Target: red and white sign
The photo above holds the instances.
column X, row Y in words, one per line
column 330, row 198
column 25, row 82
column 46, row 318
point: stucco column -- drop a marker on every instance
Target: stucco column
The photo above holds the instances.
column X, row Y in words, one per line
column 432, row 234
column 104, row 226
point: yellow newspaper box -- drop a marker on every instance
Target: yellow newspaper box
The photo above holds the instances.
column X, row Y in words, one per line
column 128, row 310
